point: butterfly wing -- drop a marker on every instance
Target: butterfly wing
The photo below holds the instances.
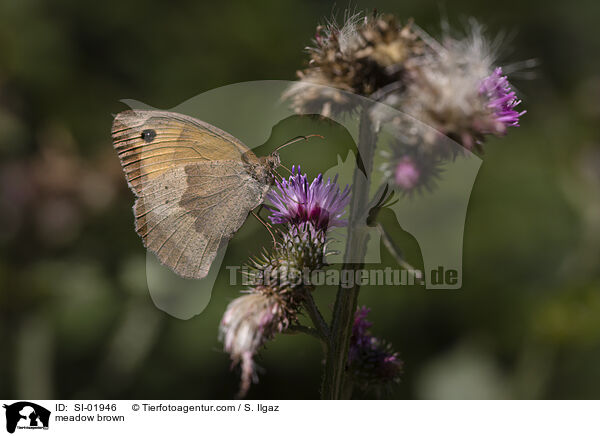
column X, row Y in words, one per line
column 150, row 143
column 191, row 182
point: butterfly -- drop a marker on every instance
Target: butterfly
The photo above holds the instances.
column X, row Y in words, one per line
column 194, row 185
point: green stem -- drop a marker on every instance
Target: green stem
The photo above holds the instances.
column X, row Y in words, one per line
column 356, row 247
column 315, row 315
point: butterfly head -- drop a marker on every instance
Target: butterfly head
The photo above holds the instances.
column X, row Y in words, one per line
column 265, row 170
column 272, row 161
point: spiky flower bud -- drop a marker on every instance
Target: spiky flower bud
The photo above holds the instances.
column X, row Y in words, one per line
column 301, row 248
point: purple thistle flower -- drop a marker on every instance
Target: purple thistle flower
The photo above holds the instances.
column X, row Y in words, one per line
column 320, row 203
column 371, row 360
column 502, row 99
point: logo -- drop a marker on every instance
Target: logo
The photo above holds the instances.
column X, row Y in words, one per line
column 26, row 415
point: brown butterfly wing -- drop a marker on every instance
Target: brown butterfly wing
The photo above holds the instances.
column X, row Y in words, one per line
column 152, row 142
column 192, row 186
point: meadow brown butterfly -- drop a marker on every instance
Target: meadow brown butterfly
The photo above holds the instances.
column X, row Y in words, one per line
column 194, row 185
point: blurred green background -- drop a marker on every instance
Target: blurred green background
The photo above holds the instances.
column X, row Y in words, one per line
column 76, row 319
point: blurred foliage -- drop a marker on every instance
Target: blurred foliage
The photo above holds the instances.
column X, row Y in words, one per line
column 76, row 320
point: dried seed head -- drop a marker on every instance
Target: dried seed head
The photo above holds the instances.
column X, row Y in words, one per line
column 452, row 87
column 249, row 322
column 362, row 57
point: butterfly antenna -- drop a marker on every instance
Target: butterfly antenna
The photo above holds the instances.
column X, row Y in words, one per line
column 298, row 138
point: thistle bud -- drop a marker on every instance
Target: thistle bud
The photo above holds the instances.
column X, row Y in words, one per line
column 372, row 363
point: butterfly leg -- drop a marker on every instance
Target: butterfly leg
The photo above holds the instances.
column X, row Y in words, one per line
column 264, row 223
column 286, row 168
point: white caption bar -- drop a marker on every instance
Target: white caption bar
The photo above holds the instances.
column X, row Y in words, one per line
column 296, row 417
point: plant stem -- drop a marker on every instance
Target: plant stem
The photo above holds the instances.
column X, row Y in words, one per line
column 356, row 246
column 315, row 315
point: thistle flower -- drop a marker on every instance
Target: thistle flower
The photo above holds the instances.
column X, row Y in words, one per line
column 249, row 322
column 410, row 169
column 296, row 202
column 457, row 91
column 371, row 361
column 362, row 57
column 451, row 86
column 406, row 174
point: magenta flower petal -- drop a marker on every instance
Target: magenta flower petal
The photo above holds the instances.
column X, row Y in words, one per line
column 502, row 99
column 320, row 203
